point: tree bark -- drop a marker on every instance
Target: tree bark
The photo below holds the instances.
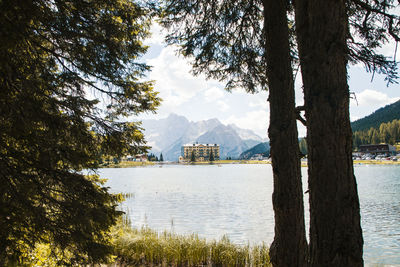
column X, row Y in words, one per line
column 289, row 247
column 335, row 231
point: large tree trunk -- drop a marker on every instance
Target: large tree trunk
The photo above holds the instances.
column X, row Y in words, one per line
column 289, row 247
column 335, row 231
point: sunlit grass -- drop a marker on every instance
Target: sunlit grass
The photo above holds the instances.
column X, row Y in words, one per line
column 377, row 162
column 127, row 164
column 145, row 247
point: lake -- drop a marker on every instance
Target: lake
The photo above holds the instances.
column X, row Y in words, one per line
column 235, row 200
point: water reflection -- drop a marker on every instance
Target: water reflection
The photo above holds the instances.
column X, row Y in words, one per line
column 236, row 200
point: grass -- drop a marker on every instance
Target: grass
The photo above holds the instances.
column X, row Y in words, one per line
column 128, row 164
column 377, row 162
column 145, row 247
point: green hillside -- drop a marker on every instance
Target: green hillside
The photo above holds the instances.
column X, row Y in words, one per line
column 383, row 115
column 261, row 148
column 388, row 133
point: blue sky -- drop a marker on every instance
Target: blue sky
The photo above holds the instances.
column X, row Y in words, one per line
column 199, row 99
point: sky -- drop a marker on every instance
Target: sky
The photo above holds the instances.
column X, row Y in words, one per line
column 199, row 99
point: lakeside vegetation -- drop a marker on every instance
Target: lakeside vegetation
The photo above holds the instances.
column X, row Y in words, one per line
column 146, row 247
column 128, row 164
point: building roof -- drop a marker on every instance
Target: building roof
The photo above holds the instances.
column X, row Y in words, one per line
column 377, row 148
column 200, row 144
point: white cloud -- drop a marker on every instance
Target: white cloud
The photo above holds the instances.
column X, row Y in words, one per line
column 389, row 50
column 301, row 129
column 157, row 35
column 369, row 101
column 213, row 93
column 173, row 79
column 222, row 105
column 299, row 95
column 259, row 103
column 257, row 121
column 372, row 98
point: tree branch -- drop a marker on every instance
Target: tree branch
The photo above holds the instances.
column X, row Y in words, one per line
column 298, row 109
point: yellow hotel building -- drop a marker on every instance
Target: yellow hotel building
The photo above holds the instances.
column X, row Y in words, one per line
column 201, row 151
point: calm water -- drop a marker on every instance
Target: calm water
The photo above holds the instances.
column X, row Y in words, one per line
column 236, row 200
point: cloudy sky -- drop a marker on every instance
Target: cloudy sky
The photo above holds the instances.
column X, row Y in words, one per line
column 199, row 99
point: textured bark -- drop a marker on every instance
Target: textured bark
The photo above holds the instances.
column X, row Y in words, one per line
column 289, row 247
column 335, row 231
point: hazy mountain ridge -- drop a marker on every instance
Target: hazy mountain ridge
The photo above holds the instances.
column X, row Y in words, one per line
column 261, row 148
column 169, row 134
column 385, row 114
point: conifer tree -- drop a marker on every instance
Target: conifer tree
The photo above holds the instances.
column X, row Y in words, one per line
column 58, row 60
column 331, row 33
column 246, row 44
column 211, row 158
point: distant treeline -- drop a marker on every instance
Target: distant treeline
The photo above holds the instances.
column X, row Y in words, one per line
column 303, row 146
column 386, row 133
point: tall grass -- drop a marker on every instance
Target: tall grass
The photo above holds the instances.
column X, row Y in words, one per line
column 145, row 247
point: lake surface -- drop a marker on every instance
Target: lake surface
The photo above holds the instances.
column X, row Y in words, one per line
column 235, row 200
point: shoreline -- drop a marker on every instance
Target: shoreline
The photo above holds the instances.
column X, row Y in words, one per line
column 130, row 164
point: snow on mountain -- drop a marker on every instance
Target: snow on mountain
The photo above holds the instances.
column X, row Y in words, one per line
column 169, row 134
column 246, row 134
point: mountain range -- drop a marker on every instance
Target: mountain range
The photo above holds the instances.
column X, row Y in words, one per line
column 167, row 136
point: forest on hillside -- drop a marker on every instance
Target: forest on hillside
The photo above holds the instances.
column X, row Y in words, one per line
column 386, row 133
column 383, row 115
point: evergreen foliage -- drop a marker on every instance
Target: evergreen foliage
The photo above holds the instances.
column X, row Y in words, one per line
column 193, row 157
column 57, row 58
column 161, row 157
column 385, row 114
column 211, row 158
column 229, row 42
column 303, row 146
column 373, row 24
column 388, row 133
column 152, row 157
column 225, row 38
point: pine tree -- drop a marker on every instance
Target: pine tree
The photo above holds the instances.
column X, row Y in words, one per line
column 193, row 157
column 246, row 44
column 161, row 157
column 211, row 158
column 326, row 41
column 58, row 60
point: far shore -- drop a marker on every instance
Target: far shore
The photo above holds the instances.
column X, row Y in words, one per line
column 129, row 164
